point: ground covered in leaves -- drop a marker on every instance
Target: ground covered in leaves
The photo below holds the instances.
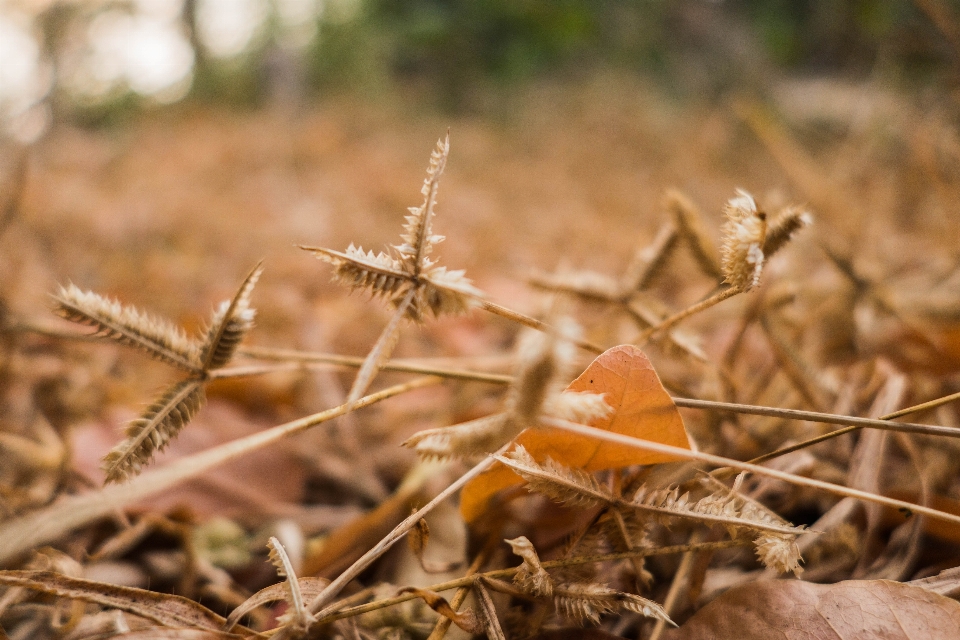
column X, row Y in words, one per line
column 858, row 315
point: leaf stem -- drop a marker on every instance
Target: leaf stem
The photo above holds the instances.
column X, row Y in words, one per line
column 533, row 323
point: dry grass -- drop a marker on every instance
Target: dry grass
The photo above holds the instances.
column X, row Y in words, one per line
column 858, row 315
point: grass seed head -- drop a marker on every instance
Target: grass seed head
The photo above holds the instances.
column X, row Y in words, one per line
column 743, row 236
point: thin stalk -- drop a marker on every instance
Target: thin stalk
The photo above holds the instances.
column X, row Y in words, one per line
column 854, row 424
column 719, row 461
column 443, row 624
column 380, row 352
column 533, row 323
column 717, row 298
column 49, row 523
column 828, row 418
column 333, row 589
column 456, row 374
column 681, row 579
column 468, row 580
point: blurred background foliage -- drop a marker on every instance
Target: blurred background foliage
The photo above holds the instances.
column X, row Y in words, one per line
column 93, row 61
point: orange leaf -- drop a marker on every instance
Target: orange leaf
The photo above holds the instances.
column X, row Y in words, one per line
column 641, row 408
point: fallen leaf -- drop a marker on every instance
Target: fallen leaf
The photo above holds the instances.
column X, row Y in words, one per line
column 641, row 408
column 792, row 609
column 179, row 634
column 466, row 620
column 162, row 608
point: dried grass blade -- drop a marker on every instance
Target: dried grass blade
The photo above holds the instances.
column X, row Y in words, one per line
column 165, row 609
column 128, row 326
column 178, row 634
column 559, row 483
column 494, row 630
column 159, row 424
column 229, row 324
column 381, row 351
column 466, row 620
column 720, row 461
column 49, row 523
column 297, row 614
column 309, row 588
column 476, row 437
column 533, row 323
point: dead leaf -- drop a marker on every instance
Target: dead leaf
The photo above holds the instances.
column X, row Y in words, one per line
column 162, row 608
column 641, row 408
column 179, row 634
column 842, row 611
column 466, row 620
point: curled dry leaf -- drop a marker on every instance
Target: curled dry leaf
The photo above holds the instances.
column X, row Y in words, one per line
column 466, row 620
column 847, row 610
column 162, row 608
column 417, row 539
column 641, row 408
column 531, row 577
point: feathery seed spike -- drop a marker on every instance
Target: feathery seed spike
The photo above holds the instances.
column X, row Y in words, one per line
column 230, row 323
column 128, row 326
column 743, row 238
column 782, row 230
column 151, row 432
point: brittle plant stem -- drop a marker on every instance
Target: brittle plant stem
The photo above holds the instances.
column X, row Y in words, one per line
column 932, row 404
column 468, row 580
column 333, row 589
column 443, row 624
column 347, row 361
column 884, row 422
column 853, row 423
column 665, row 324
column 49, row 523
column 533, row 323
column 681, row 580
column 719, row 461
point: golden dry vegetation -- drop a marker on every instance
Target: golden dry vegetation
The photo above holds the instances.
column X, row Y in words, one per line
column 858, row 316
